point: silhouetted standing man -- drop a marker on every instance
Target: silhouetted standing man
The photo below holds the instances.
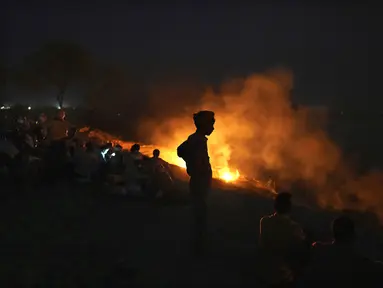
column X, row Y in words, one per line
column 195, row 153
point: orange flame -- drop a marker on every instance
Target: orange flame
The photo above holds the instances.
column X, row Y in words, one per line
column 220, row 167
column 258, row 131
column 223, row 172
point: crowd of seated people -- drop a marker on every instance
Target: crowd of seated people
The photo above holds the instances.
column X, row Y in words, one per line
column 124, row 170
column 63, row 153
column 286, row 257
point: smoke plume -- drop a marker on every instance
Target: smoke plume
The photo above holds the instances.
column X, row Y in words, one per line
column 259, row 133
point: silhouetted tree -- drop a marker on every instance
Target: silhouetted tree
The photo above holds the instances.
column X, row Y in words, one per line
column 109, row 89
column 56, row 64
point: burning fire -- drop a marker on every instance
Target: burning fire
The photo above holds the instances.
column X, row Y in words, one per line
column 218, row 158
column 225, row 173
column 221, row 171
column 258, row 132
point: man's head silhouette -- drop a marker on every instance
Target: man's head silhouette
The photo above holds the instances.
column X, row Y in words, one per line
column 156, row 153
column 282, row 203
column 135, row 148
column 204, row 122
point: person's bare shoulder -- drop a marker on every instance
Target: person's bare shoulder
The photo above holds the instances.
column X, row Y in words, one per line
column 265, row 219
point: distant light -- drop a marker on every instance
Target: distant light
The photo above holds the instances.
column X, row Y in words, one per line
column 58, row 107
column 5, row 107
column 2, row 107
column 113, row 154
column 29, row 107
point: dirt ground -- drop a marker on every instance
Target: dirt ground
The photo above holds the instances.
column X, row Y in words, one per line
column 74, row 235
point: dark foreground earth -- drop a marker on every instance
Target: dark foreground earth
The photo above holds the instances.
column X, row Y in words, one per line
column 74, row 235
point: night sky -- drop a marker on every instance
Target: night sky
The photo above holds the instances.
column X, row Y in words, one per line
column 325, row 45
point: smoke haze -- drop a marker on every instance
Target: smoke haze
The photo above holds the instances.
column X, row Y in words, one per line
column 258, row 132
